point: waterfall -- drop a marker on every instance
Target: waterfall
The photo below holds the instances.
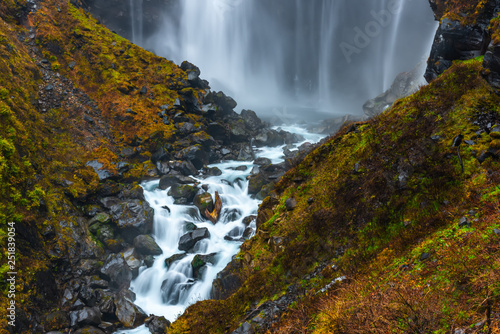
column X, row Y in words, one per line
column 328, row 54
column 136, row 18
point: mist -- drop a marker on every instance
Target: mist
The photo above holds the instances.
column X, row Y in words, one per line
column 292, row 56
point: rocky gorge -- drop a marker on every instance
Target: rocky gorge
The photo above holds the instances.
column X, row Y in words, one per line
column 87, row 116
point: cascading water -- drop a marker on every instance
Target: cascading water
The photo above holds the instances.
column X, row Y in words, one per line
column 169, row 289
column 136, row 21
column 332, row 55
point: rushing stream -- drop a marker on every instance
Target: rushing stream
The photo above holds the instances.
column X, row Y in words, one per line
column 169, row 290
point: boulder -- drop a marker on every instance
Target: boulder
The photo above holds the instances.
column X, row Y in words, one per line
column 106, row 302
column 174, row 258
column 188, row 240
column 204, row 202
column 146, row 245
column 129, row 314
column 255, row 183
column 133, row 217
column 87, row 316
column 117, row 271
column 182, row 193
column 199, row 263
column 173, row 180
column 252, row 121
column 157, row 325
column 196, row 154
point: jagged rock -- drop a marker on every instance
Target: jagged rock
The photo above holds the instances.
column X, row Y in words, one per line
column 117, row 271
column 157, row 325
column 133, row 217
column 252, row 121
column 128, row 313
column 199, row 263
column 204, row 202
column 146, row 245
column 85, row 317
column 56, row 320
column 188, row 240
column 195, row 154
column 106, row 302
column 455, row 41
column 218, row 132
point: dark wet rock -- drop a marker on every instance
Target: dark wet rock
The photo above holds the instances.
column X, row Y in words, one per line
column 218, row 132
column 146, row 245
column 213, row 171
column 157, row 325
column 173, row 180
column 255, row 183
column 199, row 263
column 127, row 312
column 262, row 161
column 204, row 202
column 241, row 168
column 227, row 281
column 161, row 154
column 133, row 217
column 425, row 256
column 85, row 317
column 196, row 154
column 182, row 193
column 106, row 302
column 117, row 271
column 454, row 41
column 188, row 240
column 226, row 103
column 252, row 121
column 174, row 258
column 149, row 260
column 88, row 295
column 143, row 90
column 269, row 137
column 56, row 320
column 246, row 153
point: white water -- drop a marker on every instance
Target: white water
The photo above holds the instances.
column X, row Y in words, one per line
column 180, row 289
column 266, row 53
